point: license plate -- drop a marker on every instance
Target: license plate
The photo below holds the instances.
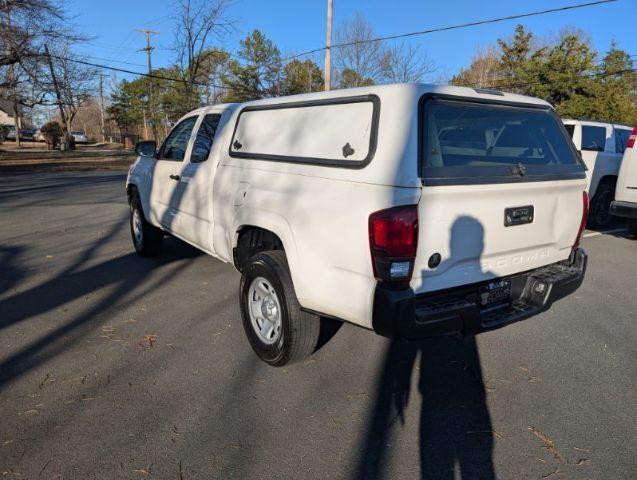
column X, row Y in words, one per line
column 495, row 292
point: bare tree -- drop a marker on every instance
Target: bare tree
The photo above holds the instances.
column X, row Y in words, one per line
column 23, row 25
column 484, row 71
column 355, row 54
column 198, row 23
column 26, row 26
column 403, row 63
column 361, row 60
column 73, row 81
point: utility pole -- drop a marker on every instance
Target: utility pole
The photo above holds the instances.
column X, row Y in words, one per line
column 328, row 45
column 148, row 49
column 145, row 125
column 102, row 106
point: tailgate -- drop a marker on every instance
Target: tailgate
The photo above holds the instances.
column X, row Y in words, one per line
column 502, row 191
column 465, row 225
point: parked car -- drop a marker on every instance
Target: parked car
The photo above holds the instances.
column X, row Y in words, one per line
column 27, row 134
column 39, row 136
column 10, row 134
column 602, row 147
column 413, row 210
column 625, row 204
column 79, row 136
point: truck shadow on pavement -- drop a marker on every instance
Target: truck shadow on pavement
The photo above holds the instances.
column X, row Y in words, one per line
column 126, row 277
column 455, row 431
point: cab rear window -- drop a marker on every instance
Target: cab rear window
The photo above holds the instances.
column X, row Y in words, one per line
column 463, row 139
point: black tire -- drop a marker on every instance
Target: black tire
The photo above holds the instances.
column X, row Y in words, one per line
column 299, row 330
column 599, row 215
column 151, row 240
column 632, row 227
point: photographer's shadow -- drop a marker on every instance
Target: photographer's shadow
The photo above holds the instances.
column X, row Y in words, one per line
column 455, row 431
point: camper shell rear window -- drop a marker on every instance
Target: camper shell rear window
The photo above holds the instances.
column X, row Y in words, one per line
column 465, row 141
column 339, row 132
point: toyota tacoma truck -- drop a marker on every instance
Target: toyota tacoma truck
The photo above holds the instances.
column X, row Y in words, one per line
column 413, row 210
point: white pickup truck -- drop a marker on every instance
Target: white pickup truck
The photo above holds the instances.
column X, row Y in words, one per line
column 602, row 146
column 625, row 204
column 413, row 210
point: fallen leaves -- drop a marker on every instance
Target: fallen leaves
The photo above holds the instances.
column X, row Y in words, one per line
column 148, row 341
column 47, row 379
column 547, row 475
column 495, row 433
column 548, row 444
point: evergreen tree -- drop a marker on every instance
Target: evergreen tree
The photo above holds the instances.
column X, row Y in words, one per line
column 519, row 61
column 618, row 99
column 301, row 77
column 258, row 73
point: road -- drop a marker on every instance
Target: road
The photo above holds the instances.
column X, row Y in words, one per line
column 114, row 366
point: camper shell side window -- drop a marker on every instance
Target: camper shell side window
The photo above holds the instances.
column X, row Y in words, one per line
column 337, row 132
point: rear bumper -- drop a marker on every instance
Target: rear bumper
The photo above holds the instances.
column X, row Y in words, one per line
column 624, row 209
column 401, row 313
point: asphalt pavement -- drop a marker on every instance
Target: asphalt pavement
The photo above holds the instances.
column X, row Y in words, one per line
column 115, row 366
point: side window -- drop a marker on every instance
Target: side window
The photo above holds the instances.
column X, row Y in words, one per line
column 621, row 138
column 593, row 138
column 570, row 129
column 174, row 147
column 205, row 137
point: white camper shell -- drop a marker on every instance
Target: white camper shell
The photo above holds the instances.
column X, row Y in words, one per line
column 412, row 210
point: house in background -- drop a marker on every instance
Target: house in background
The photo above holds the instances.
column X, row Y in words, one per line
column 6, row 113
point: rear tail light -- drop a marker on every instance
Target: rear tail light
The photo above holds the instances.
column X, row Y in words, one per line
column 582, row 224
column 393, row 241
column 632, row 138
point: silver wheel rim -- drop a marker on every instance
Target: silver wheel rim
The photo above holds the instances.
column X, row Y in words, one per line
column 137, row 226
column 265, row 310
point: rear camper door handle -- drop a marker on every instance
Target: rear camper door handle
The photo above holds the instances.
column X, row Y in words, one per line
column 175, row 177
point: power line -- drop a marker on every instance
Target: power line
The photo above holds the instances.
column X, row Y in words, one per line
column 454, row 27
column 132, row 72
column 113, row 60
column 124, row 70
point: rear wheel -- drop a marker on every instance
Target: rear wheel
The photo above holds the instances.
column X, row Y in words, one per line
column 600, row 216
column 632, row 227
column 147, row 238
column 279, row 331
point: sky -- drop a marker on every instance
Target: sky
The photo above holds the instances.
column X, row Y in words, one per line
column 299, row 25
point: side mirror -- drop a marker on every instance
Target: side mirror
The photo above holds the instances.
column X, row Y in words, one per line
column 146, row 149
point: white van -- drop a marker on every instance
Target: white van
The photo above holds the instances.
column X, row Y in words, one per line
column 413, row 210
column 602, row 146
column 625, row 204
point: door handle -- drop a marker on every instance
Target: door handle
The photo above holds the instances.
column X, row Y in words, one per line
column 175, row 177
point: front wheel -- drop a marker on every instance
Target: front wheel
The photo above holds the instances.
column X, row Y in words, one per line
column 147, row 239
column 279, row 331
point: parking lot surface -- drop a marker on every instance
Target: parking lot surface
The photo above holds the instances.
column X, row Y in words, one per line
column 116, row 366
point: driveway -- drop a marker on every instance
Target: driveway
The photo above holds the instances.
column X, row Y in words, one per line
column 115, row 366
